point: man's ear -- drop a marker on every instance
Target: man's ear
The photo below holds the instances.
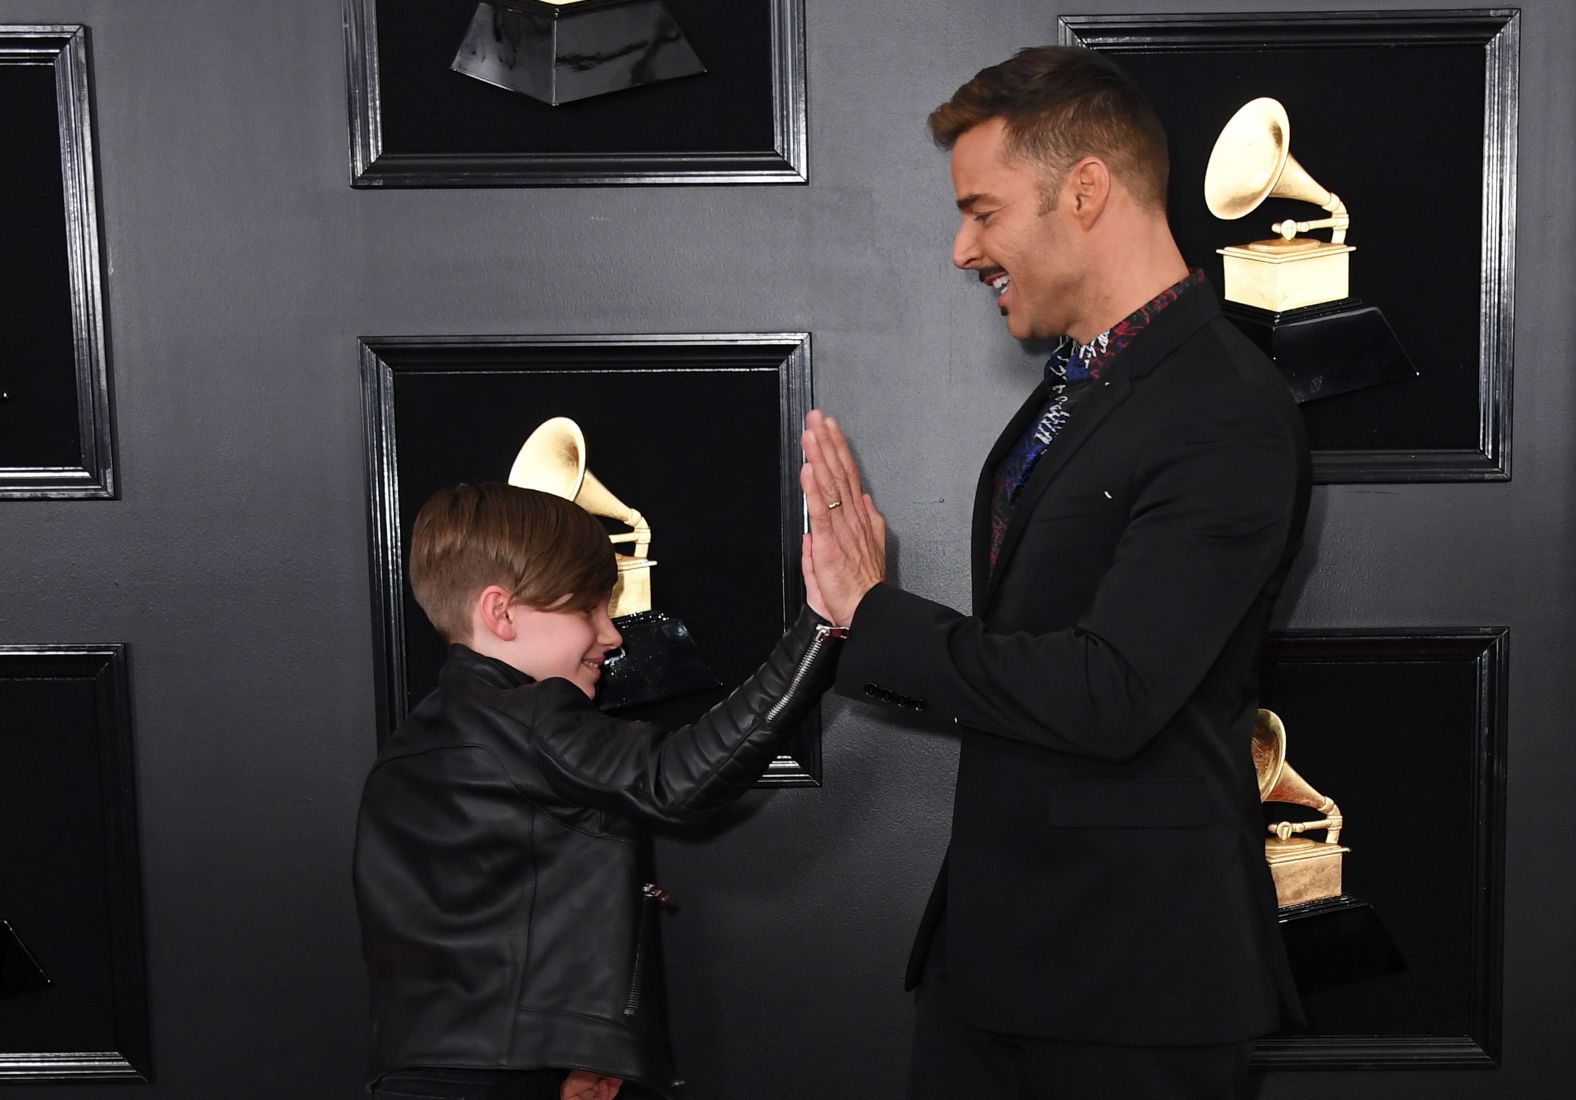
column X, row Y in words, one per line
column 491, row 612
column 1088, row 189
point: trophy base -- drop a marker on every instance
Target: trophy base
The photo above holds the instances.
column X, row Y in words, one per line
column 1279, row 275
column 659, row 660
column 1304, row 870
column 19, row 973
column 559, row 53
column 1326, row 349
column 1335, row 942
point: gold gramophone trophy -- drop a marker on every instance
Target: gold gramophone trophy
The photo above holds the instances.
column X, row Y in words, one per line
column 659, row 658
column 558, row 51
column 1331, row 937
column 1290, row 293
column 1304, row 869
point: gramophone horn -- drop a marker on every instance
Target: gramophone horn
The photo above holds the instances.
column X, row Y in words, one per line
column 553, row 460
column 1278, row 780
column 1293, row 788
column 1248, row 160
column 1269, row 750
column 1252, row 162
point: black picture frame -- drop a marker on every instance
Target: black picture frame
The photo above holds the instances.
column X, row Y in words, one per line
column 700, row 432
column 70, row 885
column 415, row 123
column 56, row 439
column 1406, row 730
column 1411, row 117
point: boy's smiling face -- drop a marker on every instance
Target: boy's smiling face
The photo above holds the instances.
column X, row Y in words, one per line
column 569, row 643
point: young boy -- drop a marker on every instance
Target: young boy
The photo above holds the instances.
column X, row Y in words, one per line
column 500, row 867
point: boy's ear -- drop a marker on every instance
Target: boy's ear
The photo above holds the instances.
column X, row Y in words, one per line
column 492, row 613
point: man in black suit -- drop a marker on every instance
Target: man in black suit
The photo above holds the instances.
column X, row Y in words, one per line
column 1104, row 922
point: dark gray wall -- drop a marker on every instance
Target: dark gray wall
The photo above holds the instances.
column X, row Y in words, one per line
column 242, row 267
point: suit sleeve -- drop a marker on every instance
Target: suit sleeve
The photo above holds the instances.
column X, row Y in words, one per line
column 1212, row 508
column 636, row 770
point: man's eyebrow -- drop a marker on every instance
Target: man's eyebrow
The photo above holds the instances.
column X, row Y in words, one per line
column 966, row 201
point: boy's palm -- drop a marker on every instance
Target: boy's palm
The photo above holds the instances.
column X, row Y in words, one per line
column 582, row 1084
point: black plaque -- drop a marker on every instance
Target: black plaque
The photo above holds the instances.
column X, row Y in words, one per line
column 417, row 123
column 1411, row 118
column 74, row 999
column 1406, row 731
column 559, row 53
column 55, row 439
column 699, row 433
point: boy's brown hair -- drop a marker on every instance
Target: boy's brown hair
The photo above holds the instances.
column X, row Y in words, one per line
column 1060, row 104
column 538, row 547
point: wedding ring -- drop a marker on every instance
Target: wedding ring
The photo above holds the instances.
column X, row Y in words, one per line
column 833, row 504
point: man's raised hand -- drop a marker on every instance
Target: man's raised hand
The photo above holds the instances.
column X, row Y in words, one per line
column 847, row 544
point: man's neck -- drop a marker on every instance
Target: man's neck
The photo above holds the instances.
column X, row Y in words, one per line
column 1135, row 268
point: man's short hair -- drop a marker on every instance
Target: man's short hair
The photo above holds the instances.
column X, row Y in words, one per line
column 1060, row 104
column 539, row 547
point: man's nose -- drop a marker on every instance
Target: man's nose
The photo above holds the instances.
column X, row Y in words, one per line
column 965, row 251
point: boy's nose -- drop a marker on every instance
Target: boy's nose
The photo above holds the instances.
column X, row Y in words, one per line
column 609, row 636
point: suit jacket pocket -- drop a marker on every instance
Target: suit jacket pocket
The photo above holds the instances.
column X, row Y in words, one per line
column 1077, row 506
column 1128, row 804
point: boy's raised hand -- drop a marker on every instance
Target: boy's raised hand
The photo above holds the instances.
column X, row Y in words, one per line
column 582, row 1084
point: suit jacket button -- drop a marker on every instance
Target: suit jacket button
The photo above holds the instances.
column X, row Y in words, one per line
column 921, row 706
column 872, row 691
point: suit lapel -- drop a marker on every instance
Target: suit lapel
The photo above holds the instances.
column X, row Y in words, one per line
column 980, row 564
column 1166, row 332
column 1084, row 421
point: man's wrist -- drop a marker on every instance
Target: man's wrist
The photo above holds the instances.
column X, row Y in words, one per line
column 853, row 608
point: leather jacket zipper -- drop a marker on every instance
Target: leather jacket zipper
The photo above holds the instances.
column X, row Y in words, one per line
column 632, row 1002
column 800, row 673
column 650, row 893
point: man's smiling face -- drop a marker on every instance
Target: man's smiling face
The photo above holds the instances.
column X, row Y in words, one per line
column 1021, row 239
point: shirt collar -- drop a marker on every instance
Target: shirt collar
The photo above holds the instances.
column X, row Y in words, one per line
column 1072, row 361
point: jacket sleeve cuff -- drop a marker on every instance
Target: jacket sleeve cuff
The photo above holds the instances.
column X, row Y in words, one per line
column 879, row 660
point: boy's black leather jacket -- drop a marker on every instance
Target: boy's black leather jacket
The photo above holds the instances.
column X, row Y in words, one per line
column 499, row 861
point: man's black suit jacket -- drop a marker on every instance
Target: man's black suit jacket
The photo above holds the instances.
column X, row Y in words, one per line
column 1106, row 881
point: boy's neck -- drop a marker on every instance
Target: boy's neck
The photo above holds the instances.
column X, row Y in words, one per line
column 485, row 643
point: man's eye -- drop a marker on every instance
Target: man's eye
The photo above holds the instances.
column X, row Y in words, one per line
column 983, row 216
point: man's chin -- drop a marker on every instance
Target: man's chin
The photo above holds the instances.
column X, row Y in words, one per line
column 1016, row 328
